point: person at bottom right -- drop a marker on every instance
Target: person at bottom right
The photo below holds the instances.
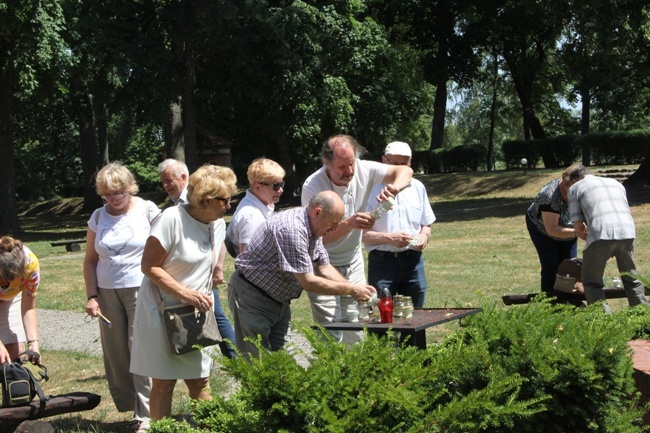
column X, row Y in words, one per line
column 395, row 242
column 601, row 216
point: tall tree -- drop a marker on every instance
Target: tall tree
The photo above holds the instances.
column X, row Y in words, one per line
column 525, row 34
column 29, row 42
column 447, row 53
column 285, row 76
column 601, row 49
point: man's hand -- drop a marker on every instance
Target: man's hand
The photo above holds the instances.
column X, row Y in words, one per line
column 389, row 191
column 363, row 292
column 362, row 220
column 400, row 239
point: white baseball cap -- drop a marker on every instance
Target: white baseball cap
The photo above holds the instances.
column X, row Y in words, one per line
column 398, row 148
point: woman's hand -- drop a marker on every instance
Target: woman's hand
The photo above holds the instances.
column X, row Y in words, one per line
column 200, row 301
column 33, row 346
column 92, row 307
column 4, row 354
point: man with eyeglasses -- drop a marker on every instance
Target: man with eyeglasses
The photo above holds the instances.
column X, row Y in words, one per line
column 352, row 179
column 266, row 183
column 174, row 177
column 396, row 241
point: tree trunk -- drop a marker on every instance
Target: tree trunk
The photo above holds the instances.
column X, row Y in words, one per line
column 9, row 223
column 585, row 96
column 493, row 115
column 524, row 87
column 439, row 114
column 174, row 131
column 439, row 107
column 88, row 144
column 102, row 134
column 189, row 83
column 286, row 160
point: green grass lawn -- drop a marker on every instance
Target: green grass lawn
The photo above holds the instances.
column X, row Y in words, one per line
column 479, row 250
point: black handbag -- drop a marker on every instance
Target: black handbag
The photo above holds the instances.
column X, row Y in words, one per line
column 19, row 385
column 189, row 329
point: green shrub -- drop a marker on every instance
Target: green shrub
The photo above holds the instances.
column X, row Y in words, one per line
column 463, row 158
column 534, row 368
column 607, row 148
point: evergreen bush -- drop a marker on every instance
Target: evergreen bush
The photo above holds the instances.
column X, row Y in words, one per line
column 607, row 148
column 533, row 368
column 463, row 158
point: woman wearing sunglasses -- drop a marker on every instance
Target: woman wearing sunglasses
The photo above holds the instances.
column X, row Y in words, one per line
column 266, row 180
column 115, row 241
column 177, row 262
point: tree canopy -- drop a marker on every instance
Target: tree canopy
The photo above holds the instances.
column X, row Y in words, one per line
column 86, row 82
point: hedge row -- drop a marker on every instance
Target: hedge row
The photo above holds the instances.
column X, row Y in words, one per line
column 605, row 148
column 539, row 368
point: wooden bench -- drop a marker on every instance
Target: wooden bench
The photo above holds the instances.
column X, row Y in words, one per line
column 562, row 297
column 20, row 419
column 71, row 245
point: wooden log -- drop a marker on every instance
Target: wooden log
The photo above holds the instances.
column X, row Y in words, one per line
column 71, row 245
column 573, row 298
column 55, row 405
column 71, row 241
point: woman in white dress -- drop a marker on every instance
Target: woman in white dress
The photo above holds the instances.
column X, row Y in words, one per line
column 178, row 259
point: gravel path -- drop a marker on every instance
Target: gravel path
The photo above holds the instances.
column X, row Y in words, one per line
column 68, row 330
column 71, row 330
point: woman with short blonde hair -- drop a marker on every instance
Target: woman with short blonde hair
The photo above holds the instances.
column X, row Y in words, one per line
column 115, row 241
column 266, row 185
column 178, row 261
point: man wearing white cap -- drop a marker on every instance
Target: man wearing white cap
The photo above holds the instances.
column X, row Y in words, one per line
column 396, row 241
column 352, row 179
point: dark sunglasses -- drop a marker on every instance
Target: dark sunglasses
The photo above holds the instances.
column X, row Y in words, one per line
column 276, row 186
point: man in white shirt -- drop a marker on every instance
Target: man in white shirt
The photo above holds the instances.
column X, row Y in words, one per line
column 396, row 241
column 352, row 179
column 602, row 218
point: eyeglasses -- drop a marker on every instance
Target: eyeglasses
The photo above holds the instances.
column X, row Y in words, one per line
column 116, row 196
column 225, row 200
column 276, row 186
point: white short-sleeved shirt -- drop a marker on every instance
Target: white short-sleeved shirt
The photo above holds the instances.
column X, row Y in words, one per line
column 119, row 242
column 355, row 196
column 250, row 214
column 189, row 261
column 412, row 210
